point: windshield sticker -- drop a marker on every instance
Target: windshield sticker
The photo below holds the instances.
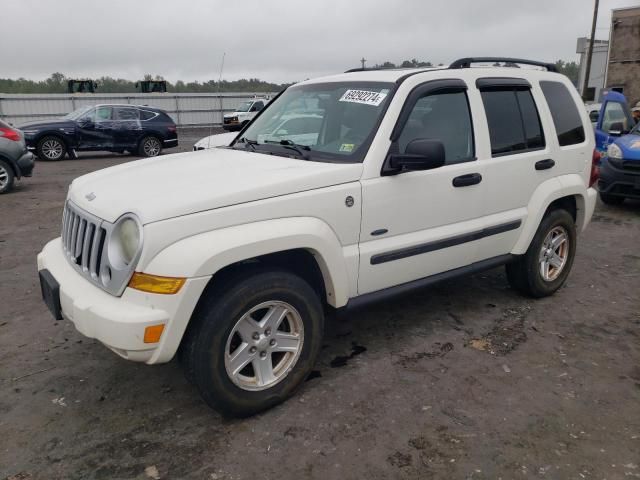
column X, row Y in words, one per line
column 347, row 147
column 363, row 96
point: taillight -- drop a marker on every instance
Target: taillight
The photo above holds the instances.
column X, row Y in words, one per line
column 10, row 134
column 595, row 168
column 171, row 128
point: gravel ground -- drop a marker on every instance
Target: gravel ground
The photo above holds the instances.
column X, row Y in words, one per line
column 464, row 380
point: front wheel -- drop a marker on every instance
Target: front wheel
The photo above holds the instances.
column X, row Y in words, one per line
column 150, row 147
column 51, row 148
column 253, row 343
column 545, row 266
column 6, row 177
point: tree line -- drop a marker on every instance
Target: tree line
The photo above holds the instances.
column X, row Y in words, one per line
column 57, row 82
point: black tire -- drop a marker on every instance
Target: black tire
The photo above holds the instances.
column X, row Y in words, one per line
column 51, row 148
column 203, row 349
column 7, row 177
column 611, row 199
column 150, row 146
column 525, row 273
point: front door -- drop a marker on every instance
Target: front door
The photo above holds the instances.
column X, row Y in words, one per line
column 420, row 223
column 613, row 113
column 95, row 130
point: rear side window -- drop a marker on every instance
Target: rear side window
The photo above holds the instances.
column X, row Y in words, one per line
column 147, row 115
column 123, row 113
column 514, row 123
column 564, row 112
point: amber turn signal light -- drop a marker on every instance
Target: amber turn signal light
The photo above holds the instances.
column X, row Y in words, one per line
column 153, row 333
column 156, row 284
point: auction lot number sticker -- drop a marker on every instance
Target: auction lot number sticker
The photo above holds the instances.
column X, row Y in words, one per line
column 363, row 96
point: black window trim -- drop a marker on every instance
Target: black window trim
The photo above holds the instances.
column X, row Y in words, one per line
column 514, row 87
column 431, row 87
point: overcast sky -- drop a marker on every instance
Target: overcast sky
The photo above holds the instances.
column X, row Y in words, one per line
column 279, row 40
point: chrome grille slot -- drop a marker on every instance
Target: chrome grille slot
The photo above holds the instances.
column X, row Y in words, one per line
column 84, row 238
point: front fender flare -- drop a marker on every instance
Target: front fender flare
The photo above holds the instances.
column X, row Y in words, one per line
column 207, row 253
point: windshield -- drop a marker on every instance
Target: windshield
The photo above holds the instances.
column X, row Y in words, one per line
column 77, row 113
column 332, row 122
column 244, row 107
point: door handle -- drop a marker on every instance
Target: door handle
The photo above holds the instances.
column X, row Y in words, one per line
column 467, row 180
column 545, row 164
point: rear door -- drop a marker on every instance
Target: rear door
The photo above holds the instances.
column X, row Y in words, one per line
column 127, row 127
column 519, row 160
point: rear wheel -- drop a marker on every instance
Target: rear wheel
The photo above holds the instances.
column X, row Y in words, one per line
column 611, row 199
column 51, row 148
column 545, row 266
column 150, row 147
column 252, row 344
column 7, row 177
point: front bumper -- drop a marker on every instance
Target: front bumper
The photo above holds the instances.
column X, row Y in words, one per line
column 25, row 164
column 620, row 182
column 119, row 322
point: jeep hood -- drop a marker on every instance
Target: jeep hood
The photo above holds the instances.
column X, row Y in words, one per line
column 173, row 185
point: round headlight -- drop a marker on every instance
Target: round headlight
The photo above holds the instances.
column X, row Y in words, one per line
column 128, row 233
column 614, row 151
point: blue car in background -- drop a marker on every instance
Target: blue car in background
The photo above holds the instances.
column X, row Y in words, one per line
column 618, row 141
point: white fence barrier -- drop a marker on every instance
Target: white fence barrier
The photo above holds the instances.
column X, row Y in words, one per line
column 186, row 109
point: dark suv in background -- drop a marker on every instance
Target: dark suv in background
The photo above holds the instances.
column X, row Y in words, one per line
column 114, row 128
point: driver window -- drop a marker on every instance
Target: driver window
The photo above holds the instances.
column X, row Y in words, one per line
column 444, row 117
column 101, row 114
column 257, row 107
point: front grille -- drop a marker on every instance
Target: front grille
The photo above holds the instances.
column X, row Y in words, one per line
column 83, row 239
column 631, row 166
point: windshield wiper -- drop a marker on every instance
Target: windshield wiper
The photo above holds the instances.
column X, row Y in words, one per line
column 286, row 143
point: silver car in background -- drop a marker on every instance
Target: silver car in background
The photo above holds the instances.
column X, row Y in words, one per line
column 15, row 160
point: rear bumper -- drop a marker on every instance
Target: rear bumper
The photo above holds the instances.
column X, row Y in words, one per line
column 619, row 182
column 120, row 322
column 26, row 164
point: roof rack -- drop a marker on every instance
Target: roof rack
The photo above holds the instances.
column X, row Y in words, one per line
column 466, row 62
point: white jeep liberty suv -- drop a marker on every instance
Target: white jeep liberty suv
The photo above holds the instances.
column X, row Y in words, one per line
column 410, row 177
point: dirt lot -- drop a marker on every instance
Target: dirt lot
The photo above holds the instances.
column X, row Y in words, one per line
column 465, row 380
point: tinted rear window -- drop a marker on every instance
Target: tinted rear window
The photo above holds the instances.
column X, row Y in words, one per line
column 564, row 112
column 514, row 124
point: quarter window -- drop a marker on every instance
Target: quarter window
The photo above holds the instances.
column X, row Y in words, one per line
column 444, row 117
column 564, row 112
column 514, row 123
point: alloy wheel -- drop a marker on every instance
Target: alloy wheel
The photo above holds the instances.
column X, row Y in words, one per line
column 554, row 253
column 264, row 345
column 151, row 147
column 4, row 178
column 52, row 149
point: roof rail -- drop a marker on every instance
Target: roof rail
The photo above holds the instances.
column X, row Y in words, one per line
column 466, row 62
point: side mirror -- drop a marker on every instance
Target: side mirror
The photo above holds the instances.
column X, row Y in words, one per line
column 616, row 129
column 85, row 122
column 420, row 154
